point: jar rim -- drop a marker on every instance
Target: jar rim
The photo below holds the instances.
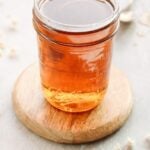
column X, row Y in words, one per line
column 76, row 28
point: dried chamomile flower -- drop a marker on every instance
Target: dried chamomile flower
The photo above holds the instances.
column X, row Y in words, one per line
column 126, row 16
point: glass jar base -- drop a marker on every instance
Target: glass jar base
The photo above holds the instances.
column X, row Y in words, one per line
column 73, row 102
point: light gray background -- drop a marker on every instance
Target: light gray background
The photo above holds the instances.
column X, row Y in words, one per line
column 131, row 54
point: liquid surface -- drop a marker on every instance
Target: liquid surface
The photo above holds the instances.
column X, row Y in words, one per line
column 76, row 12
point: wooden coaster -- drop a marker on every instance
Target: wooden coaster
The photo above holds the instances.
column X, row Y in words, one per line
column 43, row 119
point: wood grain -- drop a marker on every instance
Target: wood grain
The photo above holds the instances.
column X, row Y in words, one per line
column 43, row 119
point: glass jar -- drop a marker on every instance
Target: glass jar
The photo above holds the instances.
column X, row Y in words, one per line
column 75, row 58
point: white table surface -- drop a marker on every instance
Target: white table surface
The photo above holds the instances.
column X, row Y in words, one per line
column 131, row 54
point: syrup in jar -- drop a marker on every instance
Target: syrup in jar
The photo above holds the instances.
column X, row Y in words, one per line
column 75, row 50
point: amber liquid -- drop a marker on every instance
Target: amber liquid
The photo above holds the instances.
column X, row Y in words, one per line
column 74, row 66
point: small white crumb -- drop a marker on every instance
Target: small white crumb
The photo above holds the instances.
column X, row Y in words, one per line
column 13, row 23
column 125, row 4
column 1, row 34
column 135, row 44
column 1, row 53
column 117, row 147
column 145, row 19
column 1, row 2
column 129, row 145
column 126, row 16
column 2, row 45
column 147, row 140
column 8, row 16
column 12, row 53
column 140, row 33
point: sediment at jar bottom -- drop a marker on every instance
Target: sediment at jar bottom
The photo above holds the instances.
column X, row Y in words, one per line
column 74, row 102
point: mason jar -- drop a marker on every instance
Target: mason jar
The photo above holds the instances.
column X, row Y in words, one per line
column 75, row 40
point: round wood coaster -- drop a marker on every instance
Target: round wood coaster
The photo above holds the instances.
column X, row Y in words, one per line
column 43, row 119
